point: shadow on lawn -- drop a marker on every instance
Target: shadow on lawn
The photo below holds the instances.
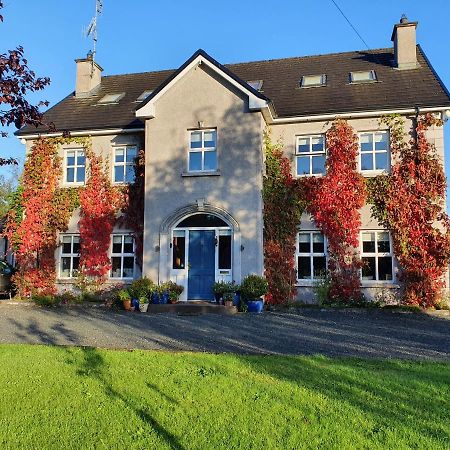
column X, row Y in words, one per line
column 93, row 366
column 397, row 393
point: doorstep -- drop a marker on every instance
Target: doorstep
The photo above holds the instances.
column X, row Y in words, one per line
column 191, row 308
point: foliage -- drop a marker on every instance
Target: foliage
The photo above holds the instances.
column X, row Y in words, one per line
column 141, row 288
column 221, row 287
column 283, row 207
column 253, row 287
column 321, row 288
column 16, row 81
column 45, row 300
column 410, row 202
column 170, row 286
column 334, row 202
column 124, row 295
column 8, row 189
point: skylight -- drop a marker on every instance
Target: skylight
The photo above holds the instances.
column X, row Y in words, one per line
column 313, row 80
column 110, row 98
column 144, row 95
column 256, row 84
column 363, row 76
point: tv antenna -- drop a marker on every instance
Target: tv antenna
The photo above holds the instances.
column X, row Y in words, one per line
column 91, row 30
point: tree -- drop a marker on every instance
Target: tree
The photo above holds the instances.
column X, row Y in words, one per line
column 8, row 185
column 16, row 81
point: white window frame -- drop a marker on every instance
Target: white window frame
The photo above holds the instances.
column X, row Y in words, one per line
column 374, row 152
column 70, row 255
column 122, row 255
column 75, row 166
column 203, row 150
column 310, row 154
column 377, row 255
column 311, row 254
column 304, row 81
column 123, row 164
column 373, row 76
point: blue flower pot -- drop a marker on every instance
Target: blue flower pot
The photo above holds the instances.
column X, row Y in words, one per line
column 155, row 298
column 135, row 304
column 255, row 306
column 236, row 299
column 164, row 299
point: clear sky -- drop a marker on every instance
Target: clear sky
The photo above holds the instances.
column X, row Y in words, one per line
column 146, row 35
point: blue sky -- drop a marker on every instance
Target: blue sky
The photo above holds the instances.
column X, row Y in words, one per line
column 146, row 35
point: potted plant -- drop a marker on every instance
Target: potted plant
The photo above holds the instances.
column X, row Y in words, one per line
column 140, row 289
column 143, row 303
column 175, row 290
column 125, row 298
column 253, row 287
column 228, row 299
column 219, row 288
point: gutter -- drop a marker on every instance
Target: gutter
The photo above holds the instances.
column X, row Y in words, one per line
column 83, row 133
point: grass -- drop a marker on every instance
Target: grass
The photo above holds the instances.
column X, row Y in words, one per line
column 64, row 398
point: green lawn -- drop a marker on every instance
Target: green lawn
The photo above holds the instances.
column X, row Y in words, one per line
column 63, row 398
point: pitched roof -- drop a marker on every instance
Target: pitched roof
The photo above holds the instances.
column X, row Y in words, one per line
column 395, row 89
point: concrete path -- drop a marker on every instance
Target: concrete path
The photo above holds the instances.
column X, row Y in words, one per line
column 361, row 333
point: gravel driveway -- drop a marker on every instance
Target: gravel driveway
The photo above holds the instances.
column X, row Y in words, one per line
column 361, row 333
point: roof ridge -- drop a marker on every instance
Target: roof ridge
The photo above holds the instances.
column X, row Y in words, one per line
column 137, row 73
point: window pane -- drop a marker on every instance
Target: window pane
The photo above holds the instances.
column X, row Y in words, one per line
column 80, row 174
column 367, row 161
column 196, row 139
column 119, row 156
column 318, row 243
column 366, row 142
column 67, row 244
column 116, row 270
column 304, row 245
column 76, row 245
column 304, row 267
column 75, row 265
column 131, row 154
column 119, row 174
column 319, row 266
column 129, row 173
column 385, row 268
column 317, row 143
column 381, row 161
column 303, row 145
column 303, row 165
column 65, row 267
column 368, row 270
column 128, row 244
column 195, row 161
column 80, row 159
column 383, row 243
column 318, row 164
column 224, row 252
column 368, row 240
column 70, row 175
column 209, row 139
column 381, row 141
column 128, row 267
column 178, row 252
column 70, row 161
column 210, row 161
column 117, row 244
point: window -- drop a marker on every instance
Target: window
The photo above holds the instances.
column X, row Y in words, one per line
column 310, row 151
column 256, row 84
column 178, row 249
column 376, row 256
column 364, row 76
column 311, row 255
column 70, row 256
column 122, row 256
column 313, row 80
column 75, row 166
column 144, row 95
column 203, row 151
column 109, row 99
column 374, row 151
column 124, row 163
column 224, row 245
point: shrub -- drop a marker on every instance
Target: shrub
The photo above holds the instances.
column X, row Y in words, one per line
column 141, row 288
column 123, row 295
column 254, row 287
column 67, row 297
column 45, row 300
column 172, row 287
column 321, row 288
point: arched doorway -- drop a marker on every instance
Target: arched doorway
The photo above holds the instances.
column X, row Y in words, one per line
column 201, row 253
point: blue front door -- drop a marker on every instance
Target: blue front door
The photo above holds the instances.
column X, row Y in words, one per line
column 201, row 264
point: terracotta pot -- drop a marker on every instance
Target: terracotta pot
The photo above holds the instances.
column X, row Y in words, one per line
column 127, row 305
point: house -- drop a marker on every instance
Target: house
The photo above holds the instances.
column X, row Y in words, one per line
column 202, row 129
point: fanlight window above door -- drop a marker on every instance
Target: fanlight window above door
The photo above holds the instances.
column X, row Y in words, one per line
column 202, row 221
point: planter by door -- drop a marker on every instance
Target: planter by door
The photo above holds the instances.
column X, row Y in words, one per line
column 201, row 264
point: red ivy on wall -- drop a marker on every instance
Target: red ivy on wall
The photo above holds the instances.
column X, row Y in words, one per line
column 334, row 201
column 410, row 202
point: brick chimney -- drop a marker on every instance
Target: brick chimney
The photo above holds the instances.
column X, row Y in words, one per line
column 89, row 76
column 404, row 37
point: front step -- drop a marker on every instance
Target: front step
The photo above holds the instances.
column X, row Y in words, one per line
column 191, row 308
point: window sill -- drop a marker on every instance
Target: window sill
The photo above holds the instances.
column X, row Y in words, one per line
column 373, row 173
column 379, row 284
column 214, row 173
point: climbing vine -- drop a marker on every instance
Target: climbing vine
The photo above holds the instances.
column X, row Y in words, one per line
column 410, row 202
column 282, row 211
column 334, row 201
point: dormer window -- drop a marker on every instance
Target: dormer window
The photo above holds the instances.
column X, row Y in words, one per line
column 365, row 76
column 313, row 80
column 110, row 99
column 144, row 95
column 256, row 84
